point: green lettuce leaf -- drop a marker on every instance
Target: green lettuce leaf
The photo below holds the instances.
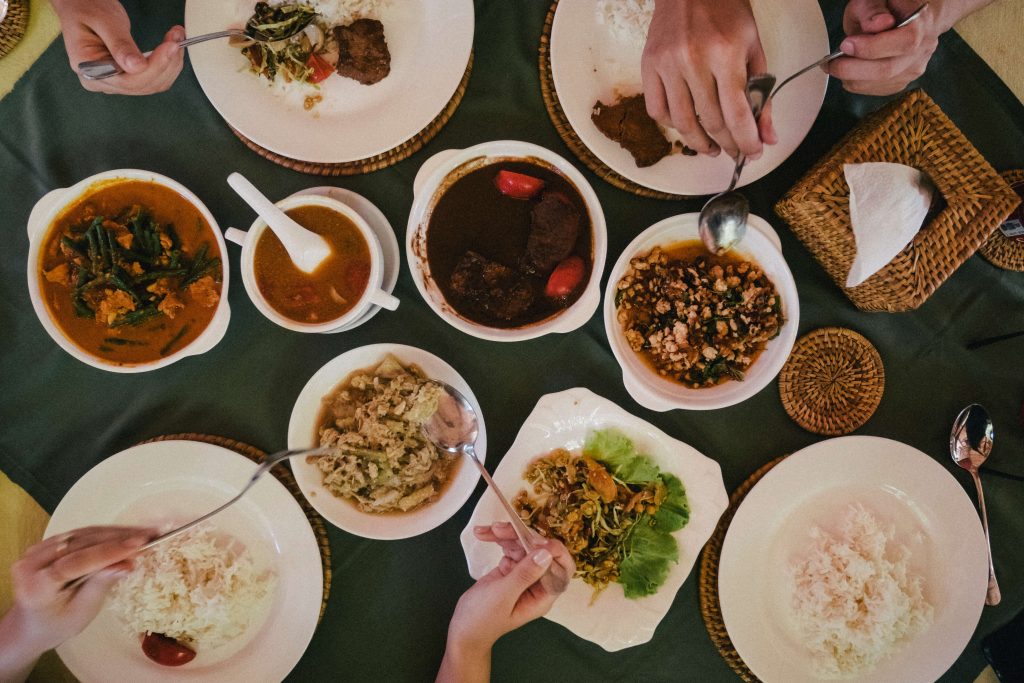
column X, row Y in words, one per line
column 617, row 452
column 648, row 559
column 674, row 512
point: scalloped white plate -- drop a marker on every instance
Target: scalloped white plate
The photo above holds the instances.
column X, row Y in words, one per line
column 564, row 420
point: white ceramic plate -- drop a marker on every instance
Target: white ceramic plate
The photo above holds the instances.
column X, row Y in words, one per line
column 652, row 391
column 564, row 420
column 430, row 44
column 302, row 433
column 589, row 64
column 380, row 226
column 933, row 517
column 175, row 481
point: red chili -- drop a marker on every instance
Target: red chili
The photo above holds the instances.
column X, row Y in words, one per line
column 518, row 185
column 565, row 278
column 320, row 66
column 166, row 651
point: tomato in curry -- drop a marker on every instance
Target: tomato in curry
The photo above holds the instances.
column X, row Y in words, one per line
column 130, row 272
column 330, row 291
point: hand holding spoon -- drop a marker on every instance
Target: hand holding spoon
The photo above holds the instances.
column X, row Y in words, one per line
column 970, row 444
column 453, row 428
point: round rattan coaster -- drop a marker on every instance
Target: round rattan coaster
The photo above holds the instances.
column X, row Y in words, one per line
column 284, row 476
column 568, row 135
column 377, row 161
column 13, row 25
column 1000, row 250
column 832, row 382
column 710, row 607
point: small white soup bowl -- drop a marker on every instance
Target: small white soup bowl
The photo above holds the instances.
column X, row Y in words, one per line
column 52, row 204
column 373, row 295
column 429, row 181
column 651, row 390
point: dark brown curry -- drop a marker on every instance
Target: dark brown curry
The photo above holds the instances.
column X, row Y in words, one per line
column 333, row 288
column 510, row 244
column 130, row 272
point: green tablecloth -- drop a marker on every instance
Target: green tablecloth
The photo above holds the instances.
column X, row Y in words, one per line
column 391, row 601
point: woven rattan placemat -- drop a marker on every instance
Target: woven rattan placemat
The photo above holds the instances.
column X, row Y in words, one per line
column 12, row 28
column 1000, row 250
column 710, row 607
column 377, row 161
column 832, row 382
column 568, row 135
column 283, row 475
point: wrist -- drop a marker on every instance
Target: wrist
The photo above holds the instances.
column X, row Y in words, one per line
column 20, row 645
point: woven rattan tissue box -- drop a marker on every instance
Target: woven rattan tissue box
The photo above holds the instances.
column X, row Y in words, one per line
column 912, row 131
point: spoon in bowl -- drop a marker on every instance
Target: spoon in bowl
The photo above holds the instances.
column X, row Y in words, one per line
column 970, row 444
column 98, row 69
column 305, row 248
column 453, row 428
column 723, row 220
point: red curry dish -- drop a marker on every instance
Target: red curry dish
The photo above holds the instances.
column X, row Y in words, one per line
column 130, row 272
column 510, row 243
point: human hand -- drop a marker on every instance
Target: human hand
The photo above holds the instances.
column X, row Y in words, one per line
column 46, row 613
column 100, row 29
column 511, row 594
column 696, row 62
column 882, row 60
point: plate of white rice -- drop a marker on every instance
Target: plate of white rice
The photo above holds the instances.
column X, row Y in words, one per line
column 430, row 42
column 227, row 589
column 596, row 48
column 855, row 559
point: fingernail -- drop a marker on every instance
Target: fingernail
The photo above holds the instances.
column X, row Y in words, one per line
column 134, row 541
column 134, row 61
column 542, row 557
column 179, row 34
column 715, row 151
column 115, row 573
column 879, row 16
column 503, row 525
column 480, row 529
column 847, row 46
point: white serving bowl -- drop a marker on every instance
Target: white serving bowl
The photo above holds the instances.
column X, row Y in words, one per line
column 431, row 177
column 374, row 294
column 54, row 202
column 302, row 433
column 655, row 392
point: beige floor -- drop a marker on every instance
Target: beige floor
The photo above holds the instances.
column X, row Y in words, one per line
column 993, row 32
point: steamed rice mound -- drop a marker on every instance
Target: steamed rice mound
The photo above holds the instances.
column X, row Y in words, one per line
column 855, row 603
column 198, row 588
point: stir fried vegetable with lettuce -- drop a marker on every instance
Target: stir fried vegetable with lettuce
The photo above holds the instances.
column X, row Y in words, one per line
column 295, row 58
column 614, row 510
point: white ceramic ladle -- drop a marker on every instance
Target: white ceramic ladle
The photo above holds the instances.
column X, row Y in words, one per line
column 306, row 248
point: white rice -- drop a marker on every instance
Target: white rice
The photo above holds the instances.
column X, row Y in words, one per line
column 336, row 12
column 628, row 20
column 198, row 588
column 853, row 602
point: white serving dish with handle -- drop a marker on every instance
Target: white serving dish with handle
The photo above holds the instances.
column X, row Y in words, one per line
column 430, row 178
column 42, row 217
column 655, row 392
column 375, row 293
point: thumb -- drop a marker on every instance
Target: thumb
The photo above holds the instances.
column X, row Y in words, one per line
column 90, row 595
column 528, row 571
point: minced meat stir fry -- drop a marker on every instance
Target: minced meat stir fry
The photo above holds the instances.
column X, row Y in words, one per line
column 383, row 463
column 697, row 319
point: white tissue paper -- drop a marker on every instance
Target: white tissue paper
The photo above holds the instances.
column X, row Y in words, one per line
column 888, row 203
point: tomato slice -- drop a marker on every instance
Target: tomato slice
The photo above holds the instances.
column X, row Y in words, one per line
column 565, row 278
column 320, row 66
column 166, row 650
column 518, row 185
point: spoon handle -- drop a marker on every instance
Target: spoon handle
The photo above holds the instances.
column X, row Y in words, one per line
column 993, row 595
column 98, row 69
column 554, row 580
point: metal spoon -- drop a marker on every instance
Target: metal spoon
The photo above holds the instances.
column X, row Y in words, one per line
column 839, row 53
column 453, row 428
column 98, row 69
column 970, row 444
column 723, row 220
column 268, row 463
